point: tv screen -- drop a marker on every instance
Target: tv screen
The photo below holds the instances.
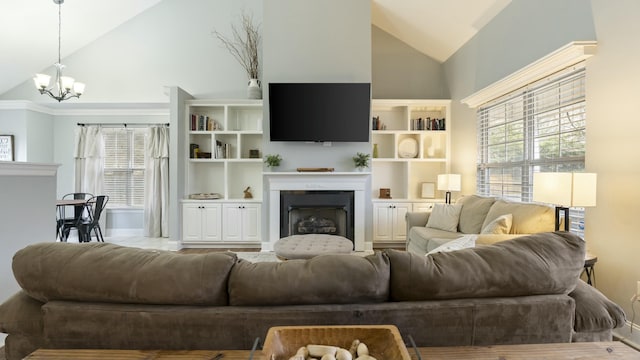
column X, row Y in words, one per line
column 319, row 112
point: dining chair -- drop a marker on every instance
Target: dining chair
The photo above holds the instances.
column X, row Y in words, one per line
column 65, row 223
column 96, row 206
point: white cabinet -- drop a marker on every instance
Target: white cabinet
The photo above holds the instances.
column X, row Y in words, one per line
column 422, row 207
column 201, row 222
column 389, row 223
column 241, row 222
column 412, row 143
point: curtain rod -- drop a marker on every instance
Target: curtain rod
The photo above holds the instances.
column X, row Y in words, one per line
column 124, row 124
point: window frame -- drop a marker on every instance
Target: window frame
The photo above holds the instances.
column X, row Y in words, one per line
column 130, row 184
column 533, row 138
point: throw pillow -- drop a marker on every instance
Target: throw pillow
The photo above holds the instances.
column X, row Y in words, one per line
column 501, row 225
column 467, row 241
column 445, row 217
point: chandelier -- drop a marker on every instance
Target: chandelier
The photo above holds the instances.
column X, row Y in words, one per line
column 64, row 87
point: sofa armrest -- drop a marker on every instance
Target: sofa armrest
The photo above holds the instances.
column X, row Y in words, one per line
column 416, row 219
column 594, row 311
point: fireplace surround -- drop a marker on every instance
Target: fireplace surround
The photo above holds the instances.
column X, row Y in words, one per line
column 335, row 185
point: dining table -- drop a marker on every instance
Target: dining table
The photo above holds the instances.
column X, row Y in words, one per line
column 79, row 205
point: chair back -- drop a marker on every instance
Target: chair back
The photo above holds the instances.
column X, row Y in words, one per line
column 98, row 203
column 78, row 211
column 78, row 196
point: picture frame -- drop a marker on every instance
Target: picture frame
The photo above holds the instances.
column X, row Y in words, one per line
column 428, row 190
column 7, row 151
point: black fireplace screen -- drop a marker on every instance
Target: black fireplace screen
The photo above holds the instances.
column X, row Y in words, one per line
column 316, row 212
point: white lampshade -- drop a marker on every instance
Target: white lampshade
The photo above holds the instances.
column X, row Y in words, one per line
column 449, row 182
column 566, row 189
column 67, row 82
column 78, row 88
column 41, row 80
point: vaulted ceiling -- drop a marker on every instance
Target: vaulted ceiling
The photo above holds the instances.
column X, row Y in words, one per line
column 29, row 36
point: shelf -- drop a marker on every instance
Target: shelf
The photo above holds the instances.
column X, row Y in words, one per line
column 405, row 175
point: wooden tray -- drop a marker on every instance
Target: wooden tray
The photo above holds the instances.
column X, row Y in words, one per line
column 384, row 341
column 315, row 169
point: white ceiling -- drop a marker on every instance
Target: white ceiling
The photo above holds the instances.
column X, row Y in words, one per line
column 29, row 36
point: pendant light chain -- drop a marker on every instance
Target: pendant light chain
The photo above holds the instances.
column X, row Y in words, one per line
column 59, row 30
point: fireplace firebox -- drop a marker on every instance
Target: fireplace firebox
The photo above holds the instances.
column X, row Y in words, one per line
column 317, row 212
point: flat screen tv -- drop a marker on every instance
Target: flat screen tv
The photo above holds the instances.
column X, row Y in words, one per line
column 319, row 112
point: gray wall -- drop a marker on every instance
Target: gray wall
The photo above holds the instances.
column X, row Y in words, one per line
column 521, row 34
column 401, row 72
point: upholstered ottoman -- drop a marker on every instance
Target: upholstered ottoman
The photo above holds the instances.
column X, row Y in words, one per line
column 310, row 245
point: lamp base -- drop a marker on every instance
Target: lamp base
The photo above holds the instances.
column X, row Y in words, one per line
column 566, row 217
column 447, row 197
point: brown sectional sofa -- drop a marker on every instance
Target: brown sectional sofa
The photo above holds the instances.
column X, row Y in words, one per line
column 98, row 295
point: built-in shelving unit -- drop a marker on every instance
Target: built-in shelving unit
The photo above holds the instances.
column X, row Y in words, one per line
column 412, row 141
column 227, row 163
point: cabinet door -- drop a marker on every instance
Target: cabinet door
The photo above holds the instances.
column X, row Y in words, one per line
column 232, row 222
column 191, row 222
column 251, row 220
column 382, row 224
column 422, row 207
column 241, row 222
column 399, row 222
column 211, row 216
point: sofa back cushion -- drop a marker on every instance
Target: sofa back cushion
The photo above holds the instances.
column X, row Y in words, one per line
column 324, row 279
column 546, row 263
column 104, row 272
column 474, row 211
column 527, row 218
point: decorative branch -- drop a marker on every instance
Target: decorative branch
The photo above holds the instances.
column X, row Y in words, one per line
column 244, row 44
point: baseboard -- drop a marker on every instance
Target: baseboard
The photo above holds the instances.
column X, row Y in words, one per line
column 629, row 334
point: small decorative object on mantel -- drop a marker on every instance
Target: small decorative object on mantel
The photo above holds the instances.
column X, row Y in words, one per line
column 315, row 169
column 244, row 47
column 273, row 160
column 361, row 161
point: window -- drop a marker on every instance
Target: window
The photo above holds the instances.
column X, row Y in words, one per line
column 540, row 128
column 124, row 166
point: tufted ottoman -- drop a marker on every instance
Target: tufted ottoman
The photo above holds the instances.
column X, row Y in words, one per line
column 310, row 245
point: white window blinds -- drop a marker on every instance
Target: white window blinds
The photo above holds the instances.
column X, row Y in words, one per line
column 124, row 166
column 539, row 128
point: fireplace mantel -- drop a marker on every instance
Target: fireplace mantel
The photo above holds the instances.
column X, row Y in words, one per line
column 279, row 181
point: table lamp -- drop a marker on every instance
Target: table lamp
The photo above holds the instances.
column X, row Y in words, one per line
column 449, row 183
column 566, row 190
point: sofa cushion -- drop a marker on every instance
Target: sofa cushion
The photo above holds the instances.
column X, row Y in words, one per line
column 324, row 279
column 528, row 218
column 594, row 311
column 21, row 314
column 463, row 242
column 111, row 273
column 474, row 211
column 546, row 263
column 500, row 225
column 444, row 217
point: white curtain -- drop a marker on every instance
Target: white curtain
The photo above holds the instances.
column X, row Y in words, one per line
column 156, row 182
column 89, row 160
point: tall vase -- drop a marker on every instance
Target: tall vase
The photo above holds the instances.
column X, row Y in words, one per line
column 254, row 91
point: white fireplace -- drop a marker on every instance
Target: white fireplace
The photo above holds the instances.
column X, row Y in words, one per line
column 305, row 181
